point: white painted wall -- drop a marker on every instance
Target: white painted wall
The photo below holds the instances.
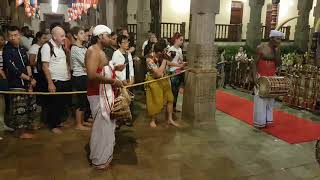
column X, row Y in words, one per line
column 225, row 13
column 176, row 11
column 171, row 12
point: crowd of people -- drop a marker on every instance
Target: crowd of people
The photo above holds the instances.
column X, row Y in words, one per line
column 235, row 72
column 97, row 60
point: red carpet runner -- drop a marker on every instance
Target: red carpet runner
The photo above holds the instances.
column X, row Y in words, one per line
column 287, row 127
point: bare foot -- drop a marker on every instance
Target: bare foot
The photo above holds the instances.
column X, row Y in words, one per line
column 56, row 131
column 174, row 116
column 90, row 120
column 102, row 167
column 173, row 123
column 36, row 127
column 153, row 124
column 87, row 124
column 26, row 136
column 66, row 125
column 82, row 128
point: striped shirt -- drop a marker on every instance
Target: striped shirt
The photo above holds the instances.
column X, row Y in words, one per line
column 1, row 60
column 77, row 60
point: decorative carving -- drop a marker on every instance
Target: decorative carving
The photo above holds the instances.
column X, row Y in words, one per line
column 199, row 98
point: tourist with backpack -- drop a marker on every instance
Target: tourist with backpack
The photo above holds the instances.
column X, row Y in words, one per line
column 56, row 70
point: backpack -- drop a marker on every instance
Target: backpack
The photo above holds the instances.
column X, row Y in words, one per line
column 42, row 84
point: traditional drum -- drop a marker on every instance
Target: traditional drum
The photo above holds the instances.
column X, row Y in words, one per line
column 273, row 86
column 121, row 107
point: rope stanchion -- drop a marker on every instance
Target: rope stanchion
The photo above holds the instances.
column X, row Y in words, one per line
column 84, row 92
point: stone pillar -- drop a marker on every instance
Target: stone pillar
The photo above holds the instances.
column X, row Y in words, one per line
column 92, row 17
column 254, row 33
column 13, row 14
column 199, row 93
column 301, row 35
column 316, row 14
column 143, row 23
column 121, row 13
column 110, row 14
column 3, row 8
column 103, row 12
column 156, row 13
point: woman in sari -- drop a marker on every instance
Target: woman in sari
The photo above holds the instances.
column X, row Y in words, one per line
column 159, row 94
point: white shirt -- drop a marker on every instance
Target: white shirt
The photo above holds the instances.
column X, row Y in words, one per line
column 57, row 64
column 77, row 60
column 26, row 42
column 144, row 44
column 1, row 59
column 118, row 59
column 34, row 49
column 178, row 58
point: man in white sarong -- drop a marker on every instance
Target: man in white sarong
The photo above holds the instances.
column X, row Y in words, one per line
column 266, row 62
column 101, row 97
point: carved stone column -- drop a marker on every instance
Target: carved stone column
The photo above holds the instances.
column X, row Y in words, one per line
column 199, row 94
column 103, row 12
column 107, row 13
column 143, row 23
column 110, row 14
column 301, row 35
column 316, row 14
column 254, row 33
column 156, row 12
column 121, row 13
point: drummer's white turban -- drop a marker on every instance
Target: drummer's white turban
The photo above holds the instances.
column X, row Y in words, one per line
column 100, row 29
column 275, row 33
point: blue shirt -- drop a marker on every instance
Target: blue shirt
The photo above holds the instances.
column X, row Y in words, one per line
column 15, row 61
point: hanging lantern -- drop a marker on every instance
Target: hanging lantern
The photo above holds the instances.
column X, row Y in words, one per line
column 30, row 7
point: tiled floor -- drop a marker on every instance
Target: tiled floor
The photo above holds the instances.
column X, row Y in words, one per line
column 224, row 149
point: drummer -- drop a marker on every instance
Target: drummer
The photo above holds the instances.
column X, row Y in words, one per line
column 266, row 61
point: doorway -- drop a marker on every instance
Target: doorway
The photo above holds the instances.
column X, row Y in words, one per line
column 235, row 27
column 49, row 19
